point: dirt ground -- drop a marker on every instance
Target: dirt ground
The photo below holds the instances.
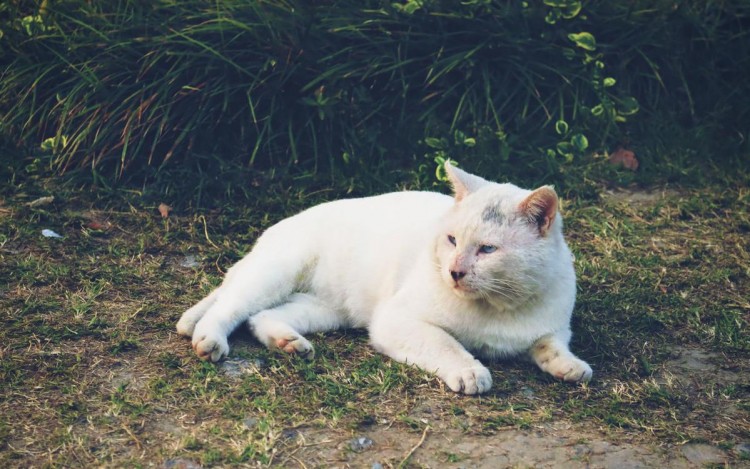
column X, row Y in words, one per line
column 556, row 444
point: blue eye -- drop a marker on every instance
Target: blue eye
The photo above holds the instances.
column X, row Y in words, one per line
column 487, row 249
column 452, row 240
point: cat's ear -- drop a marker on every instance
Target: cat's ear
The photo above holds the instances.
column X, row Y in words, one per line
column 462, row 182
column 540, row 208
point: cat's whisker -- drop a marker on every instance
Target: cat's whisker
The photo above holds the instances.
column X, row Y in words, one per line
column 504, row 293
column 506, row 290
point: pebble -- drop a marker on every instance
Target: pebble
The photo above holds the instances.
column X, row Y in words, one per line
column 360, row 444
column 289, row 434
column 236, row 367
column 703, row 454
column 189, row 261
column 250, row 423
column 180, row 463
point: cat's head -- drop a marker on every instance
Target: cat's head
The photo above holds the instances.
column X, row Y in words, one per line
column 498, row 242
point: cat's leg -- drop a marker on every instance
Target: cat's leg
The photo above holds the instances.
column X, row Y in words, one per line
column 265, row 277
column 431, row 348
column 282, row 327
column 551, row 354
column 186, row 324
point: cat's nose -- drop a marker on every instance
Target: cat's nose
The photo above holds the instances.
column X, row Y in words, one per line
column 457, row 275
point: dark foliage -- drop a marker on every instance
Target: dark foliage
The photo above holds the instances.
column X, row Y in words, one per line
column 361, row 85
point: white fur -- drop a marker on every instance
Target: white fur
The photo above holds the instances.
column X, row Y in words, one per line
column 384, row 263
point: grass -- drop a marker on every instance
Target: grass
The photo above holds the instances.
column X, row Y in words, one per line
column 93, row 372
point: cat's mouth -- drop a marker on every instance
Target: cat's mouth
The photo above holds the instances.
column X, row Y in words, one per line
column 464, row 290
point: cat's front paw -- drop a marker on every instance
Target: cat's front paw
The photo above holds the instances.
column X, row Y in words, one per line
column 186, row 325
column 211, row 348
column 570, row 369
column 471, row 380
column 209, row 344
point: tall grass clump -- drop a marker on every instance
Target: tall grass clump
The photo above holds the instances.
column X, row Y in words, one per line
column 116, row 86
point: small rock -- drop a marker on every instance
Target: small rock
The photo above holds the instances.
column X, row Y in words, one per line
column 50, row 234
column 360, row 444
column 527, row 392
column 702, row 454
column 189, row 261
column 377, row 465
column 180, row 463
column 581, row 450
column 421, row 410
column 290, row 434
column 250, row 423
column 236, row 367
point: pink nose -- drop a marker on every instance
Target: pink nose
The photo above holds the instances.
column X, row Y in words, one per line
column 457, row 275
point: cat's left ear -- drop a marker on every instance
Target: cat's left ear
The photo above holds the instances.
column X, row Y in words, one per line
column 540, row 207
column 462, row 182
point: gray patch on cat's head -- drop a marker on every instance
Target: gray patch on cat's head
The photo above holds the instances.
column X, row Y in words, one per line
column 493, row 214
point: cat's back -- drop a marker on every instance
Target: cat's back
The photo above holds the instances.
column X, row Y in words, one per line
column 394, row 211
column 378, row 225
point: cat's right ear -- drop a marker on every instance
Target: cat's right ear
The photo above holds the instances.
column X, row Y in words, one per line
column 462, row 182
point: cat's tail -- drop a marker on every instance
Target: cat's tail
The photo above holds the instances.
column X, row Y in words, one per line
column 190, row 318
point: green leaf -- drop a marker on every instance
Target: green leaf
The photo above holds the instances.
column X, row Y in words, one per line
column 608, row 82
column 565, row 149
column 458, row 136
column 583, row 40
column 580, row 142
column 571, row 11
column 561, row 127
column 54, row 143
column 568, row 8
column 32, row 24
column 553, row 16
column 628, row 106
column 470, row 142
column 504, row 151
column 597, row 110
column 440, row 173
column 435, row 143
column 409, row 7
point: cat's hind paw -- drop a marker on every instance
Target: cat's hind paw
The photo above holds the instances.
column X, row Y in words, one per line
column 570, row 369
column 472, row 380
column 211, row 347
column 295, row 344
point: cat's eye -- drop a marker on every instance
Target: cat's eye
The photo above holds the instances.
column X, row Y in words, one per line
column 486, row 249
column 452, row 240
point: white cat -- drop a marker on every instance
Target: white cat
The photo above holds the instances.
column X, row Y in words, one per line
column 429, row 276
